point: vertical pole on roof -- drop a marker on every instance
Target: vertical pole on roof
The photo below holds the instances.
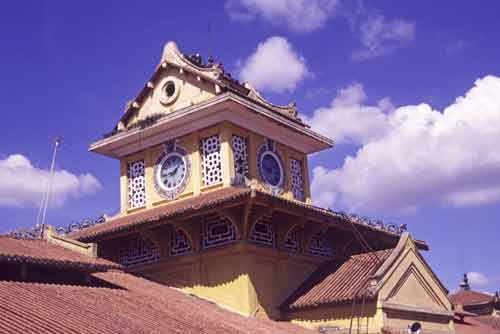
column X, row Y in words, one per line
column 46, row 197
column 209, row 31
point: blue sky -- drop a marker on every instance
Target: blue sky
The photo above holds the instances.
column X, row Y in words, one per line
column 375, row 76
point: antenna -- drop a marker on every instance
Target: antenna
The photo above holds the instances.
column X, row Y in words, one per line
column 45, row 200
column 209, row 31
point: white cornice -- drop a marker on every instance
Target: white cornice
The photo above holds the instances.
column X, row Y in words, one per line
column 225, row 107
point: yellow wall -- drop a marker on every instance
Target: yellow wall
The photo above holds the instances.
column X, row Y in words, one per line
column 190, row 91
column 194, row 186
column 246, row 278
column 340, row 316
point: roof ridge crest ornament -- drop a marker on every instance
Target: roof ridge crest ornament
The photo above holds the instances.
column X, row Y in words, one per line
column 171, row 54
column 289, row 109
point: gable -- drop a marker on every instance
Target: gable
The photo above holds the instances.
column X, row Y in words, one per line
column 410, row 282
column 171, row 90
column 412, row 289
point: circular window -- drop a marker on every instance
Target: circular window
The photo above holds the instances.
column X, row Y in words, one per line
column 271, row 169
column 415, row 328
column 169, row 91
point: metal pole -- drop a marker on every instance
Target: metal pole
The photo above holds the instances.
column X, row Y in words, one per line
column 49, row 186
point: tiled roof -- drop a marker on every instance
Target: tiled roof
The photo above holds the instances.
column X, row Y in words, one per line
column 338, row 281
column 469, row 297
column 206, row 200
column 486, row 324
column 134, row 305
column 122, row 223
column 43, row 253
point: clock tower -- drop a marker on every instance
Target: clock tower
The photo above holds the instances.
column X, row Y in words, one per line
column 215, row 194
column 193, row 129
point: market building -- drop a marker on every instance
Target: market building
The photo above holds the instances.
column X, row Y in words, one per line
column 216, row 203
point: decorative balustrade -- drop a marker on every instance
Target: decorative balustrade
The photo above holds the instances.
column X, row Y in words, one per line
column 78, row 226
column 35, row 232
column 29, row 233
column 376, row 223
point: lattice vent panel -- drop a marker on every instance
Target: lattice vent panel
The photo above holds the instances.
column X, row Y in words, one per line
column 297, row 179
column 136, row 184
column 180, row 243
column 218, row 231
column 211, row 160
column 292, row 240
column 240, row 150
column 139, row 250
column 262, row 232
column 318, row 246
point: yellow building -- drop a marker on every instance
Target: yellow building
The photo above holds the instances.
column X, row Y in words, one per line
column 215, row 200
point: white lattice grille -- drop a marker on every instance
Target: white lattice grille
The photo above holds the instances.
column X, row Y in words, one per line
column 297, row 179
column 211, row 160
column 292, row 240
column 136, row 184
column 240, row 150
column 138, row 250
column 180, row 243
column 318, row 246
column 218, row 231
column 262, row 232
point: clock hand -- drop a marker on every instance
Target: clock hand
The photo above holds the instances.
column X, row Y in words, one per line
column 173, row 171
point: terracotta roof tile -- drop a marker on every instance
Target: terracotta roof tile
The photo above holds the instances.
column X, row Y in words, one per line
column 469, row 297
column 41, row 252
column 205, row 200
column 122, row 223
column 134, row 306
column 487, row 324
column 338, row 281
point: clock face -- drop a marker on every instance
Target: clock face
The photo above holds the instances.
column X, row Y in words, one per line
column 172, row 171
column 271, row 169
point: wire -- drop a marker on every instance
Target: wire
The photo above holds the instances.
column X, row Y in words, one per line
column 45, row 200
column 352, row 312
column 369, row 250
column 363, row 241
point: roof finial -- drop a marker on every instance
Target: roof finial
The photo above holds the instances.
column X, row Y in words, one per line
column 464, row 285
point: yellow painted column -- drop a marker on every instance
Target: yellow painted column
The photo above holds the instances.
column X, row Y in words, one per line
column 149, row 174
column 307, row 181
column 253, row 146
column 123, row 186
column 196, row 165
column 226, row 156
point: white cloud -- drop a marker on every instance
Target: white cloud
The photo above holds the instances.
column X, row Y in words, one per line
column 297, row 15
column 23, row 185
column 416, row 155
column 477, row 278
column 380, row 36
column 274, row 66
column 337, row 122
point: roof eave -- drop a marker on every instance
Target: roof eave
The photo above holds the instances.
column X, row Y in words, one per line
column 217, row 109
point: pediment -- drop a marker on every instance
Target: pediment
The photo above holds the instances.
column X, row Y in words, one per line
column 197, row 81
column 172, row 89
column 406, row 282
column 412, row 289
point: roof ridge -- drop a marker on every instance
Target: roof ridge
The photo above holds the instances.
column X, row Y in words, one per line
column 55, row 284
